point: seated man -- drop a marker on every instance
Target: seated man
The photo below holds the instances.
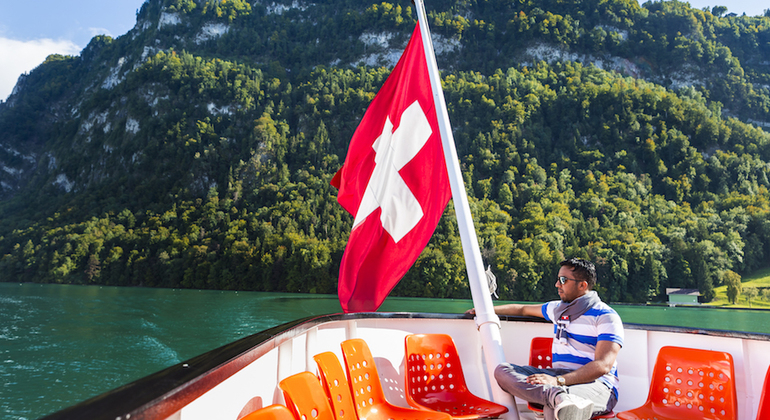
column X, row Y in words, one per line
column 589, row 334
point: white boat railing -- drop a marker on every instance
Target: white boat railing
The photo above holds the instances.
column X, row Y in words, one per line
column 242, row 376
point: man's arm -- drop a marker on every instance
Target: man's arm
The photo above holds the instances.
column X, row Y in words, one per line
column 515, row 309
column 606, row 353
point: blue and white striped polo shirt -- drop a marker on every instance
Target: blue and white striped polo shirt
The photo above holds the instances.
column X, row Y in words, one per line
column 600, row 323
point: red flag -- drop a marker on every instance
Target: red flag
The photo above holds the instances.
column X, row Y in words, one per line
column 394, row 181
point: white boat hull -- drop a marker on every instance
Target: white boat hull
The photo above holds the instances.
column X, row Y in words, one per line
column 227, row 382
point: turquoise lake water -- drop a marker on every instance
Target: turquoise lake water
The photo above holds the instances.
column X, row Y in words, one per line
column 62, row 344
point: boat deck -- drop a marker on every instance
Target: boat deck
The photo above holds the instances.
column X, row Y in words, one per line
column 244, row 375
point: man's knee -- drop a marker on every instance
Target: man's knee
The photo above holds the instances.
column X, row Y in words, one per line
column 502, row 370
column 505, row 373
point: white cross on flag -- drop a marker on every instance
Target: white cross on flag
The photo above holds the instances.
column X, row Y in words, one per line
column 394, row 181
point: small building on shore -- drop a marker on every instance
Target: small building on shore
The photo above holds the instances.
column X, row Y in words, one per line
column 678, row 296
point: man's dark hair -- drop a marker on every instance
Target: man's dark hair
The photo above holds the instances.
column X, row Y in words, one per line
column 583, row 269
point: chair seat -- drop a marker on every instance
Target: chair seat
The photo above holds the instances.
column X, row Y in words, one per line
column 689, row 383
column 435, row 379
column 538, row 408
column 271, row 412
column 305, row 397
column 366, row 388
column 467, row 407
column 763, row 411
column 642, row 413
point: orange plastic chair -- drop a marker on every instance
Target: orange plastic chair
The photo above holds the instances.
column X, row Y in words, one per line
column 336, row 384
column 435, row 380
column 271, row 412
column 540, row 356
column 540, row 352
column 367, row 390
column 305, row 397
column 688, row 384
column 763, row 412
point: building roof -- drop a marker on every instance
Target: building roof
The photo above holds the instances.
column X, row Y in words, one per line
column 678, row 291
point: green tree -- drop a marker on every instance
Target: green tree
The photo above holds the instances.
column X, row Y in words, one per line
column 718, row 11
column 733, row 282
column 750, row 292
column 766, row 294
column 93, row 269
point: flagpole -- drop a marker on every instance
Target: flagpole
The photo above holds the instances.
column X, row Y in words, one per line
column 487, row 322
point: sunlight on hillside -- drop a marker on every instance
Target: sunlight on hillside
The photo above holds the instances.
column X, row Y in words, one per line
column 760, row 279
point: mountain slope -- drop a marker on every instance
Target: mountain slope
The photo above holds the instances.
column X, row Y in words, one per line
column 196, row 150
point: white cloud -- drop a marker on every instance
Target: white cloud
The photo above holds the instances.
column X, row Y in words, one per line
column 17, row 57
column 99, row 31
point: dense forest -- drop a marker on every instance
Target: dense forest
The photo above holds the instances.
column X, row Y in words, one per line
column 196, row 150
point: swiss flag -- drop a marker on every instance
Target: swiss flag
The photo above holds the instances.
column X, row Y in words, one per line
column 394, row 182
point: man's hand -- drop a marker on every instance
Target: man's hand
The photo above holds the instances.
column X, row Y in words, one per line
column 606, row 353
column 514, row 309
column 542, row 379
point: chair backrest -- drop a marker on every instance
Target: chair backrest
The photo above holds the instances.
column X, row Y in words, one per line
column 336, row 384
column 763, row 412
column 364, row 380
column 271, row 412
column 540, row 352
column 305, row 397
column 435, row 379
column 433, row 368
column 691, row 382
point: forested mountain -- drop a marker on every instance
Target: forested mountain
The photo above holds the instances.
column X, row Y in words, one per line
column 196, row 150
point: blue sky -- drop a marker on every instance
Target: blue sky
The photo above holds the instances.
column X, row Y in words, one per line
column 30, row 30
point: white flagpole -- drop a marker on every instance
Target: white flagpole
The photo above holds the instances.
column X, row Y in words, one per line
column 487, row 321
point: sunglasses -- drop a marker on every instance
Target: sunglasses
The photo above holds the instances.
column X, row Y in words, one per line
column 563, row 279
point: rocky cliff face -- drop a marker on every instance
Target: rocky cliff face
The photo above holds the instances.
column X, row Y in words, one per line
column 77, row 121
column 67, row 126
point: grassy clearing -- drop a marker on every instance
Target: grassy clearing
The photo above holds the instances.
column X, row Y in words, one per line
column 759, row 279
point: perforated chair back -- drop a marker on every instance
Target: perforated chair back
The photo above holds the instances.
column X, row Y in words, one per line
column 540, row 355
column 336, row 384
column 435, row 380
column 367, row 391
column 763, row 412
column 690, row 383
column 364, row 380
column 271, row 412
column 305, row 397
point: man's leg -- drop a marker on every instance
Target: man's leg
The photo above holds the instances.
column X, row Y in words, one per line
column 596, row 392
column 563, row 403
column 579, row 402
column 513, row 380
